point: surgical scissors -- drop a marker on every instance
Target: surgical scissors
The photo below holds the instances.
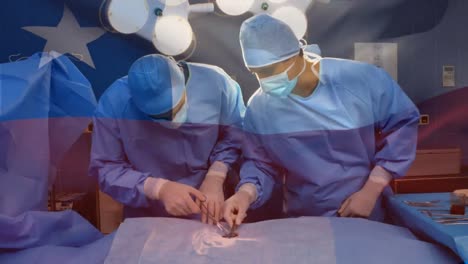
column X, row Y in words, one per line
column 212, row 217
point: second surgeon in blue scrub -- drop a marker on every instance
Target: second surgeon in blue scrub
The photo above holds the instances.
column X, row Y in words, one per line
column 165, row 137
column 335, row 131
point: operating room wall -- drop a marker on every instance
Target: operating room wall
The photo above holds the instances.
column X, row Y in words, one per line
column 429, row 34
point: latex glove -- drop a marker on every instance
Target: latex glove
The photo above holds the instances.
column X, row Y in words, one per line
column 177, row 198
column 362, row 203
column 235, row 208
column 211, row 208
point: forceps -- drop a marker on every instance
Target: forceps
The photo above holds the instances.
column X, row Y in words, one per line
column 224, row 230
column 422, row 204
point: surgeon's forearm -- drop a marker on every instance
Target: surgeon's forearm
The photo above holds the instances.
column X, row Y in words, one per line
column 379, row 178
column 217, row 170
column 250, row 190
column 228, row 148
column 152, row 187
column 216, row 175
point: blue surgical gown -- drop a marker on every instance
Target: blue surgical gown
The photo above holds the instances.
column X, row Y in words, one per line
column 45, row 105
column 324, row 146
column 129, row 146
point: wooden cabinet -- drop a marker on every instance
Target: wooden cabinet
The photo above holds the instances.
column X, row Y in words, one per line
column 434, row 170
column 110, row 213
column 430, row 184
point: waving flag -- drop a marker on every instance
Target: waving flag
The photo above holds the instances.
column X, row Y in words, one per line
column 73, row 28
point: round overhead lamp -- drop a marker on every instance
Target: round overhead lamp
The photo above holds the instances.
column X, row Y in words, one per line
column 127, row 17
column 173, row 35
column 172, row 2
column 234, row 7
column 294, row 17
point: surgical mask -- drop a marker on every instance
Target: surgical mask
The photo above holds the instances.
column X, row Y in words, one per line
column 279, row 84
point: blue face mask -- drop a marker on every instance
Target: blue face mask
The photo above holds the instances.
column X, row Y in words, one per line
column 279, row 84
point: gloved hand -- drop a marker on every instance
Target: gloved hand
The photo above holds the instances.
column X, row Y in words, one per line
column 235, row 208
column 177, row 198
column 212, row 188
column 362, row 203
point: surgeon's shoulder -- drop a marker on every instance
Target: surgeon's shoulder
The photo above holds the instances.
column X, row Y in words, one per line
column 207, row 69
column 252, row 114
column 217, row 74
column 258, row 97
column 345, row 70
column 114, row 99
column 256, row 101
column 355, row 77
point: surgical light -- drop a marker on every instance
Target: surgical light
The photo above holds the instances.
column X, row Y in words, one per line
column 294, row 17
column 278, row 1
column 235, row 7
column 172, row 2
column 173, row 35
column 128, row 16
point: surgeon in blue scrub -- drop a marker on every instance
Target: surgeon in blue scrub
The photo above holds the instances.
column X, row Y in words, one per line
column 334, row 131
column 165, row 137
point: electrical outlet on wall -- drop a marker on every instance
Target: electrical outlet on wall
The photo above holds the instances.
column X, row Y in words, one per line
column 448, row 75
column 424, row 120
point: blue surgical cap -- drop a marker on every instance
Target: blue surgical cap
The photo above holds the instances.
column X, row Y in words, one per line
column 266, row 40
column 156, row 84
column 312, row 48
